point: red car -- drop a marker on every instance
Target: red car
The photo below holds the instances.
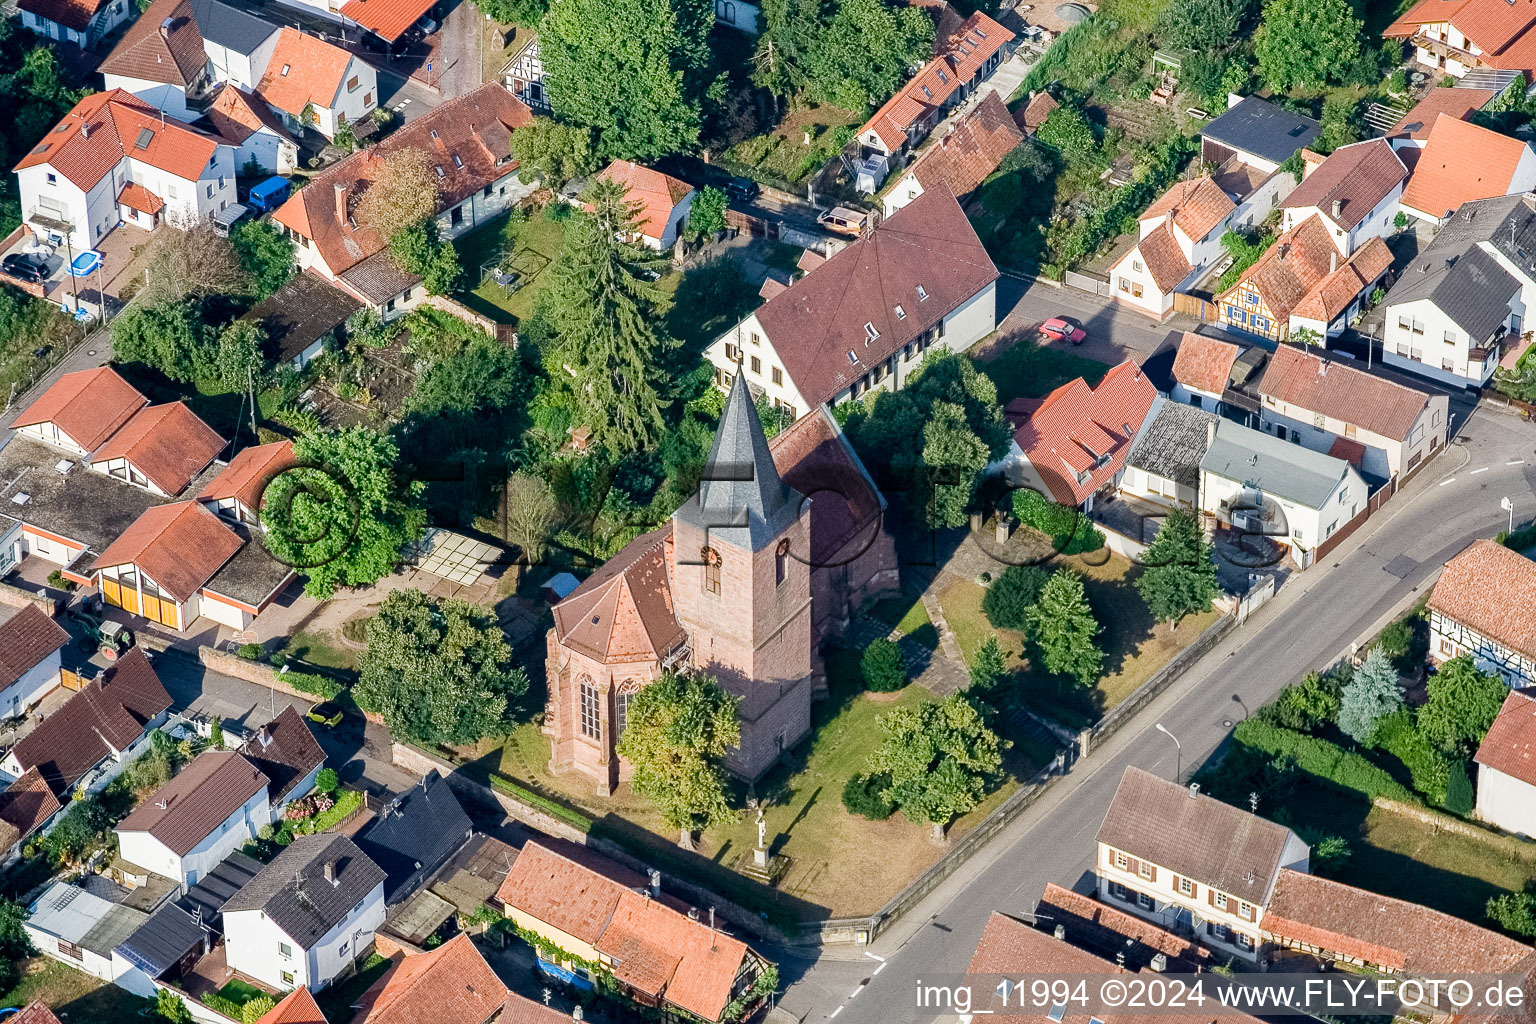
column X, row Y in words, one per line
column 1060, row 328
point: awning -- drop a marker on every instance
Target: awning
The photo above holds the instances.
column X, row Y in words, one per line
column 227, row 216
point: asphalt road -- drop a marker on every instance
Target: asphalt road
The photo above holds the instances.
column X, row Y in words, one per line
column 1392, row 559
column 1115, row 332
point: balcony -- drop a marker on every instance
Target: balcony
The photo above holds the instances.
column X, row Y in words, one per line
column 50, row 219
column 1441, row 48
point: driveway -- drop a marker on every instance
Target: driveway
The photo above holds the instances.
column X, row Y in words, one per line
column 1115, row 333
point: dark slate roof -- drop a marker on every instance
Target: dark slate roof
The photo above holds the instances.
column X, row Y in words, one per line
column 251, row 574
column 218, row 886
column 741, row 500
column 415, row 835
column 1515, row 234
column 1173, row 444
column 285, row 749
column 294, row 894
column 1468, row 286
column 159, row 943
column 1259, row 127
column 226, row 26
column 300, row 313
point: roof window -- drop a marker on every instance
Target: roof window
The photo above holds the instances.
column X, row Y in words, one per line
column 62, row 128
column 284, row 72
column 979, row 32
column 943, row 77
column 456, row 161
column 922, row 294
column 901, row 314
column 146, row 136
column 926, row 91
column 439, row 169
column 853, row 357
column 434, row 133
column 870, row 334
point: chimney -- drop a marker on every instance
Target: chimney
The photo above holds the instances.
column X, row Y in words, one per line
column 1210, row 433
column 1333, row 261
column 711, row 929
column 1060, row 933
column 655, row 889
column 577, row 1014
column 341, row 203
column 85, row 129
column 265, row 735
column 1159, row 962
column 330, row 871
column 1338, row 208
column 1194, row 790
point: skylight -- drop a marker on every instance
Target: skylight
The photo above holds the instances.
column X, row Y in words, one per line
column 439, row 169
column 926, row 92
column 146, row 136
column 434, row 133
column 853, row 357
column 943, row 77
column 901, row 314
column 284, row 72
column 870, row 334
column 922, row 294
column 456, row 161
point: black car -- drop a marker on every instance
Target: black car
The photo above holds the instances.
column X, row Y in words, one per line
column 25, row 266
column 743, row 190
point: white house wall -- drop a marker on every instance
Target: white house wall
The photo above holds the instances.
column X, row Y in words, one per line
column 232, row 833
column 1305, row 528
column 172, row 99
column 1431, row 345
column 252, row 945
column 1505, row 801
column 243, row 69
column 34, row 684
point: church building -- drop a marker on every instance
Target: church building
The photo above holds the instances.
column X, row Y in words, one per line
column 781, row 544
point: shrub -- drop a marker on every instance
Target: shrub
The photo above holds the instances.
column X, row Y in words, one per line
column 1329, row 855
column 864, row 795
column 1013, row 594
column 1429, row 769
column 323, row 687
column 1515, row 912
column 57, row 581
column 250, row 652
column 1305, row 706
column 1322, row 759
column 1071, row 531
column 1460, row 797
column 884, row 671
column 1396, row 641
column 326, row 782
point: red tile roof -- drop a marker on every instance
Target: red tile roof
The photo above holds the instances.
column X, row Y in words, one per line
column 137, row 197
column 75, row 14
column 1032, row 115
column 1357, row 177
column 1348, row 449
column 167, row 443
column 1490, row 589
column 1290, row 268
column 814, row 325
column 162, row 45
column 1499, row 29
column 1203, row 363
column 387, row 19
column 1197, row 207
column 237, row 115
column 623, row 612
column 1461, row 162
column 451, row 984
column 1077, row 437
column 1342, row 392
column 26, row 638
column 476, row 127
column 108, row 714
column 179, row 546
column 656, row 949
column 297, row 1007
column 972, row 150
column 303, row 70
column 102, row 129
column 35, row 1013
column 959, row 58
column 814, row 458
column 1327, row 300
column 24, row 806
column 1163, row 257
column 657, row 194
column 248, row 474
column 190, row 807
column 1388, row 933
column 87, row 405
column 1089, row 921
column 1510, row 744
column 1458, row 103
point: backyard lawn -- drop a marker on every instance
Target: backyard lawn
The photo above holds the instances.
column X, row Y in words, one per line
column 537, row 243
column 74, row 996
column 782, row 156
column 322, row 649
column 1023, row 368
column 1134, row 646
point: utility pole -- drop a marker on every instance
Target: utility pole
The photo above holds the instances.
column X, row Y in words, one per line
column 250, row 384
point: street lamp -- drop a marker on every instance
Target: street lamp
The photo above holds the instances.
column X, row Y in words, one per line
column 1509, row 506
column 273, row 689
column 1178, row 751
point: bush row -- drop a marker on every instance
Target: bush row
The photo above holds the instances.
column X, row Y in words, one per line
column 1323, row 759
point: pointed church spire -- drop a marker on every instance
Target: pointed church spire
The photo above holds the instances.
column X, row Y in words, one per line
column 742, row 499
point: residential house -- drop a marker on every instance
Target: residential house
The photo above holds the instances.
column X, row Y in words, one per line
column 1113, row 933
column 662, row 201
column 237, row 42
column 161, row 61
column 311, row 84
column 286, row 752
column 162, row 951
column 1466, row 294
column 235, row 493
column 26, row 806
column 302, row 317
column 415, row 834
column 1073, row 443
column 962, row 61
column 88, row 740
column 1320, row 918
column 244, row 120
column 307, row 916
column 30, row 646
column 1218, row 376
column 658, row 955
column 450, row 983
column 1482, row 606
column 1382, row 427
column 35, row 1013
column 1179, row 240
column 1462, row 162
column 80, row 928
column 1355, row 192
column 1260, row 485
column 1506, row 766
column 1257, row 133
column 523, row 75
column 388, row 20
column 1164, row 464
column 673, row 598
column 470, row 138
column 1462, row 36
column 82, row 22
column 963, row 158
column 1302, row 282
column 113, row 159
column 1190, row 862
column 212, row 808
column 1412, row 131
column 739, row 15
column 862, row 319
column 297, row 1007
column 160, row 449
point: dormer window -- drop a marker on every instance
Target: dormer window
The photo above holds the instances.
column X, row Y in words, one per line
column 922, row 294
column 870, row 334
column 901, row 314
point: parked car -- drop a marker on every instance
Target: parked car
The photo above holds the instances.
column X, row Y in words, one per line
column 743, row 190
column 327, row 713
column 25, row 266
column 1061, row 328
column 428, row 26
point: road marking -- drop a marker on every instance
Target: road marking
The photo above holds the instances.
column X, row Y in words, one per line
column 873, row 957
column 882, row 967
column 834, row 1013
column 1515, row 462
column 855, row 993
column 1477, row 471
column 1450, row 481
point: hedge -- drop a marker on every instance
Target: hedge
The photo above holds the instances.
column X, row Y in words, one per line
column 555, row 810
column 1521, row 539
column 323, row 687
column 1070, row 530
column 1323, row 759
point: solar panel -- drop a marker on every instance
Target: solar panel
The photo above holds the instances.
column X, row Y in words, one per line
column 146, row 136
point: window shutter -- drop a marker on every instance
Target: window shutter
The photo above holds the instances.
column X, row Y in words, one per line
column 1210, row 896
column 1134, row 866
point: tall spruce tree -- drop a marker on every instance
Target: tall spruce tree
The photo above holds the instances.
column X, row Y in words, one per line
column 1180, row 574
column 1063, row 628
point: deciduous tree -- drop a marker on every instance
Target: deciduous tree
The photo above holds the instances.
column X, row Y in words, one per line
column 953, row 455
column 14, row 944
column 417, row 249
column 1069, row 132
column 707, row 215
column 863, row 53
column 988, row 666
column 524, row 13
column 940, row 757
column 168, row 336
column 1179, row 577
column 265, row 254
column 192, row 260
column 1203, row 26
column 1307, row 44
column 1063, row 628
column 238, row 361
column 557, row 152
column 532, row 514
column 676, row 733
column 1372, row 694
column 1463, row 703
column 403, row 192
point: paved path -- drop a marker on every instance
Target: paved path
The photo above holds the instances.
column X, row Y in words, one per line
column 1315, row 618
